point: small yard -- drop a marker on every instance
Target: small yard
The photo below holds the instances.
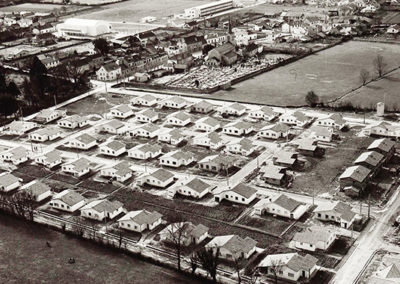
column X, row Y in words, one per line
column 98, row 186
column 268, row 223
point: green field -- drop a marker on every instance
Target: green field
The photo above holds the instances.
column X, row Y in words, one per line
column 37, row 8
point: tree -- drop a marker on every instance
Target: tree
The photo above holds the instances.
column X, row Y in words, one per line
column 102, row 45
column 176, row 234
column 3, row 84
column 237, row 264
column 275, row 268
column 207, row 48
column 364, row 76
column 312, row 99
column 13, row 90
column 21, row 204
column 380, row 65
column 38, row 77
column 8, row 105
column 193, row 263
column 209, row 260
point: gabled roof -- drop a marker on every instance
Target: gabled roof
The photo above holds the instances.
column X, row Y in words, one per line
column 153, row 148
column 321, row 131
column 175, row 133
column 111, row 66
column 266, row 110
column 115, row 145
column 357, row 173
column 69, row 197
column 150, row 127
column 343, row 209
column 383, row 144
column 336, row 117
column 148, row 113
column 210, row 121
column 240, row 125
column 197, row 185
column 103, row 206
column 390, row 272
column 219, row 159
column 80, row 164
column 294, row 261
column 122, row 168
column 18, row 153
column 74, row 118
column 177, row 100
column 85, row 138
column 37, row 188
column 287, row 203
column 178, row 154
column 244, row 190
column 53, row 156
column 233, row 243
column 313, row 235
column 141, row 217
column 246, row 144
column 8, row 179
column 181, row 115
column 236, row 106
column 214, row 137
column 115, row 124
column 372, row 158
column 203, row 104
column 272, row 172
column 49, row 131
column 277, row 127
column 162, row 175
column 123, row 108
column 300, row 116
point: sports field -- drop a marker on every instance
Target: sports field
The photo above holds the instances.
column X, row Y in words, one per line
column 330, row 74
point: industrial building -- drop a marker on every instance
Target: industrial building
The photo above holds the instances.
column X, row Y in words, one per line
column 82, row 28
column 209, row 9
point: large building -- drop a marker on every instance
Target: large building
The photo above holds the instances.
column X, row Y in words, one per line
column 209, row 9
column 82, row 28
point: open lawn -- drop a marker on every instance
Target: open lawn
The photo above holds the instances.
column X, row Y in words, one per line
column 330, row 74
column 98, row 186
column 89, row 105
column 38, row 8
column 267, row 223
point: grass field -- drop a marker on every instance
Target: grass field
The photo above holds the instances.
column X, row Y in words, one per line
column 37, row 8
column 329, row 73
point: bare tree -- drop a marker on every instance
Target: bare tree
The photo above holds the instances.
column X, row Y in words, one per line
column 78, row 227
column 364, row 76
column 209, row 260
column 380, row 65
column 275, row 268
column 253, row 278
column 237, row 264
column 193, row 263
column 176, row 234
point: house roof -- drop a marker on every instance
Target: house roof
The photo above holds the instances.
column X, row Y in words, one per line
column 294, row 261
column 115, row 145
column 178, row 154
column 233, row 243
column 387, row 126
column 104, row 206
column 307, row 144
column 372, row 158
column 49, row 131
column 147, row 97
column 69, row 197
column 85, row 138
column 321, row 131
column 197, row 185
column 153, row 148
column 175, row 133
column 357, row 173
column 240, row 125
column 122, row 168
column 266, row 110
column 80, row 164
column 246, row 144
column 236, row 106
column 383, row 144
column 272, row 172
column 53, row 156
column 141, row 217
column 181, row 115
column 343, row 209
column 300, row 116
column 214, row 137
column 162, row 175
column 285, row 157
column 287, row 203
column 37, row 188
column 111, row 66
column 244, row 190
column 177, row 100
column 18, row 153
column 277, row 127
column 209, row 121
column 148, row 113
column 219, row 159
column 336, row 117
column 17, row 125
column 188, row 229
column 8, row 179
column 203, row 104
column 313, row 235
column 123, row 108
column 115, row 124
column 224, row 48
column 74, row 118
column 150, row 128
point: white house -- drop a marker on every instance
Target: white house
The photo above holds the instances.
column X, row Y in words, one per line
column 244, row 147
column 102, row 209
column 16, row 156
column 45, row 134
column 67, row 200
column 337, row 212
column 195, row 188
column 180, row 118
column 174, row 102
column 275, row 131
column 207, row 124
column 320, row 133
column 281, row 205
column 114, row 127
column 140, row 220
column 313, row 238
column 173, row 137
column 177, row 159
column 202, row 107
column 19, row 127
column 241, row 193
column 233, row 109
column 145, row 100
column 265, row 113
column 191, row 234
column 291, row 266
column 145, row 151
column 233, row 247
column 160, row 178
column 121, row 171
column 121, row 111
column 211, row 140
column 50, row 159
column 385, row 129
column 109, row 72
column 73, row 121
column 147, row 115
column 146, row 131
column 296, row 118
column 335, row 121
column 48, row 115
column 8, row 182
column 239, row 128
column 38, row 190
column 78, row 168
column 113, row 148
column 82, row 142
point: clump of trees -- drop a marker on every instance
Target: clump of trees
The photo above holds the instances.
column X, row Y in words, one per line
column 312, row 99
column 379, row 65
column 8, row 96
column 209, row 260
column 364, row 76
column 21, row 204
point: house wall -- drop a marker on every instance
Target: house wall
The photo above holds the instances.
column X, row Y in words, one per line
column 10, row 187
column 155, row 182
column 43, row 196
column 236, row 198
column 132, row 226
column 107, row 151
column 58, row 204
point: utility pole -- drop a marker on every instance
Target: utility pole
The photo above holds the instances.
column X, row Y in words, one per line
column 369, row 206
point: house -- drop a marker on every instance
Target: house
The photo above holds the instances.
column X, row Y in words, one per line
column 50, row 159
column 114, row 127
column 140, row 220
column 148, row 130
column 337, row 212
column 314, row 238
column 233, row 109
column 8, row 182
column 320, row 133
column 239, row 128
column 202, row 107
column 147, row 115
column 190, row 233
column 145, row 100
column 371, row 160
column 45, row 134
column 274, row 175
column 335, row 121
column 244, row 147
column 102, row 209
column 207, row 124
column 195, row 188
column 177, row 159
column 275, row 131
column 19, row 127
column 393, row 29
column 217, row 163
column 179, row 119
column 174, row 102
column 160, row 178
column 383, row 146
column 173, row 137
column 38, row 190
column 223, row 55
column 355, row 177
column 121, row 111
column 50, row 62
column 109, row 72
column 145, row 151
column 44, row 29
column 309, row 147
column 113, row 148
column 48, row 115
column 385, row 129
column 286, row 159
column 233, row 247
column 241, row 193
column 78, row 168
column 264, row 113
column 67, row 200
column 82, row 142
column 73, row 121
column 281, row 205
column 297, row 118
column 291, row 266
column 16, row 156
column 121, row 171
column 211, row 140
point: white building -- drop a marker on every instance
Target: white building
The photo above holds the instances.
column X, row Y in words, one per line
column 195, row 188
column 145, row 100
column 18, row 127
column 147, row 115
column 45, row 134
column 173, row 137
column 78, row 28
column 337, row 212
column 78, row 168
column 177, row 159
column 275, row 131
column 233, row 247
column 8, row 182
column 191, row 234
column 102, row 209
column 38, row 190
column 82, row 142
column 265, row 113
column 179, row 119
column 73, row 121
column 50, row 159
column 67, row 200
column 140, row 220
column 281, row 205
column 121, row 171
column 113, row 148
column 159, row 178
column 209, row 9
column 297, row 118
column 313, row 238
column 244, row 147
column 207, row 124
column 145, row 151
column 239, row 128
column 210, row 140
column 121, row 111
column 16, row 156
column 241, row 194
